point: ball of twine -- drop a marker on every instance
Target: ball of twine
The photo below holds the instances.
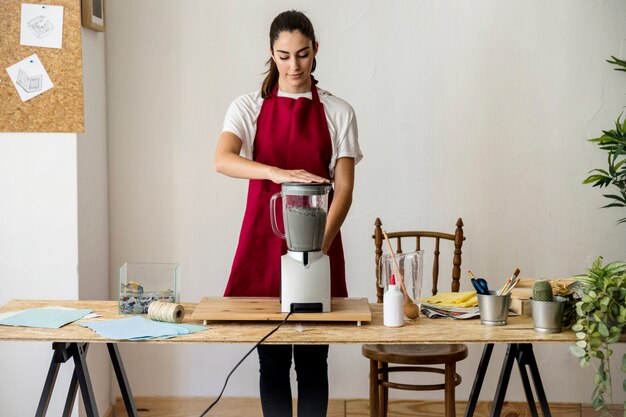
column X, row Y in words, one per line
column 164, row 311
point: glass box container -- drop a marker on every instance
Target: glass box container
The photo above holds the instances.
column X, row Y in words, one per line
column 142, row 283
column 411, row 268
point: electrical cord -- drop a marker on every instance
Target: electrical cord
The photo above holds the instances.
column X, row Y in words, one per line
column 243, row 359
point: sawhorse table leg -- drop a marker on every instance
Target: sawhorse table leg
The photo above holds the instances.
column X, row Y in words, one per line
column 78, row 351
column 523, row 354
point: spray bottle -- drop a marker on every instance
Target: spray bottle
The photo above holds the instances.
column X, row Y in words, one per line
column 393, row 314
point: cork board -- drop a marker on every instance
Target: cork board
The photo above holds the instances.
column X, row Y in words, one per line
column 59, row 109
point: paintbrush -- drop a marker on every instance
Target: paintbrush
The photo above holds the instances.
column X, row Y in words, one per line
column 510, row 283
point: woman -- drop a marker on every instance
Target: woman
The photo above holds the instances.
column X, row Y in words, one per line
column 290, row 131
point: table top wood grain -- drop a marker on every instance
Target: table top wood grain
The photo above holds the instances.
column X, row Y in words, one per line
column 355, row 310
column 422, row 330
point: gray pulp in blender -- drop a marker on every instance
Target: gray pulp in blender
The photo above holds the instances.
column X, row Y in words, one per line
column 305, row 228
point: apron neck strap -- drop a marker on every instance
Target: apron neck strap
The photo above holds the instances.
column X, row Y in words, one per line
column 314, row 95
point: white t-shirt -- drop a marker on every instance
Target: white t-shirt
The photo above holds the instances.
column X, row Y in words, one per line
column 243, row 112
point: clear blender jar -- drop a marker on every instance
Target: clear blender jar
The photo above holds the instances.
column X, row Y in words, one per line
column 305, row 208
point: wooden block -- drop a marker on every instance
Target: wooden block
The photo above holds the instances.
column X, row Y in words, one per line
column 525, row 282
column 523, row 293
column 528, row 282
column 520, row 306
column 264, row 309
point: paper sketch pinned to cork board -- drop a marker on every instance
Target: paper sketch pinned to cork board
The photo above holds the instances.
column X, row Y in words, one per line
column 41, row 25
column 30, row 83
column 29, row 77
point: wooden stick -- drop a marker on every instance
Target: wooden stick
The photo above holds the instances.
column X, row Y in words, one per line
column 395, row 263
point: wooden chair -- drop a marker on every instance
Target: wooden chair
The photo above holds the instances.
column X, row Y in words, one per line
column 415, row 358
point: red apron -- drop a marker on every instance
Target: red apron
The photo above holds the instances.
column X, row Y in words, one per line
column 291, row 134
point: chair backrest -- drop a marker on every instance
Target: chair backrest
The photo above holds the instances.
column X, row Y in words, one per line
column 457, row 238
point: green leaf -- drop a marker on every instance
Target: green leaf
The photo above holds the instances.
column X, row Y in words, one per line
column 614, row 335
column 601, row 179
column 577, row 351
column 624, row 363
column 614, row 205
column 615, row 197
column 597, row 379
column 617, row 61
column 597, row 402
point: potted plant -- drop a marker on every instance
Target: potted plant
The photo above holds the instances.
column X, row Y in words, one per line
column 614, row 142
column 601, row 314
column 601, row 309
column 547, row 309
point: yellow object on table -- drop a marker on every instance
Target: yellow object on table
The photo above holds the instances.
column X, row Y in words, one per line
column 453, row 299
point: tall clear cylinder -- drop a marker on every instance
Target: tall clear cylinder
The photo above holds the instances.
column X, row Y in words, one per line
column 304, row 213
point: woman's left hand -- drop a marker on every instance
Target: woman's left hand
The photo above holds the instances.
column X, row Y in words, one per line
column 279, row 176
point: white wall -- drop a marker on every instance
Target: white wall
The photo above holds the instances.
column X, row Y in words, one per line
column 39, row 252
column 478, row 110
column 93, row 204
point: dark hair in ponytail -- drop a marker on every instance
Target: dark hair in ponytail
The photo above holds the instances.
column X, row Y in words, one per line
column 288, row 21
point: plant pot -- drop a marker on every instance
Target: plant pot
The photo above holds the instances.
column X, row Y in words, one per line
column 547, row 315
column 493, row 308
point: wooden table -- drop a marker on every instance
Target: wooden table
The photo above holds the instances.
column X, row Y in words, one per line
column 72, row 342
column 422, row 330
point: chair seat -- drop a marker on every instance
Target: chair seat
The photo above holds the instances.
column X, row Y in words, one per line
column 415, row 354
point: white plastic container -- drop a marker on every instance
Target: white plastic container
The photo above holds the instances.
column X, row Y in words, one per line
column 393, row 314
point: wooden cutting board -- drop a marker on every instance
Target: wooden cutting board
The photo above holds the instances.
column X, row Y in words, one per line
column 264, row 309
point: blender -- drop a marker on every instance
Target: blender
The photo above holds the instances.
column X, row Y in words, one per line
column 305, row 270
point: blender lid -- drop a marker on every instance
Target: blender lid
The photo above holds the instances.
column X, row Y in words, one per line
column 301, row 188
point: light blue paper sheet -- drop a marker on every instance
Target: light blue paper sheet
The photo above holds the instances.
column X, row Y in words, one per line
column 188, row 328
column 50, row 318
column 137, row 328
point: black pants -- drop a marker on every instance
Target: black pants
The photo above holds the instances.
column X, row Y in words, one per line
column 311, row 364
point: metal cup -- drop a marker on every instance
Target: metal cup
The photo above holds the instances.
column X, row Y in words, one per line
column 547, row 315
column 493, row 308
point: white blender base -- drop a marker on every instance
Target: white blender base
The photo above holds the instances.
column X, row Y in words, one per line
column 303, row 285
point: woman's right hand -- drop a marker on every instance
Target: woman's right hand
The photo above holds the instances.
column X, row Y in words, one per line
column 279, row 176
